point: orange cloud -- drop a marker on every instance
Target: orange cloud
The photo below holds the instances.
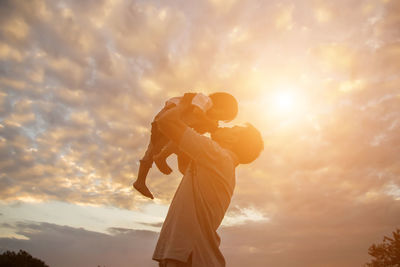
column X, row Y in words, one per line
column 81, row 83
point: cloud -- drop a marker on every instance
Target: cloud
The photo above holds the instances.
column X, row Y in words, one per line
column 255, row 243
column 99, row 79
column 59, row 245
column 158, row 224
column 277, row 245
column 81, row 82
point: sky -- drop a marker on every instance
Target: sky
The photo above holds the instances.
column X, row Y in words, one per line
column 80, row 82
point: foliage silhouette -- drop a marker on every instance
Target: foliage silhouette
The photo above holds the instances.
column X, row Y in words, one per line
column 20, row 259
column 386, row 254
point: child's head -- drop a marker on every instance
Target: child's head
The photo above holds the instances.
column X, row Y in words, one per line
column 225, row 107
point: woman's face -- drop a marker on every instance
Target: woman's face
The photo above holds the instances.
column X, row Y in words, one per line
column 216, row 114
column 225, row 135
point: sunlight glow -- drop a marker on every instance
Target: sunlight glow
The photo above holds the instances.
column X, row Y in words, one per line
column 284, row 101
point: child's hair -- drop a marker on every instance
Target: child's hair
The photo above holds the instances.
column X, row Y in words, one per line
column 225, row 102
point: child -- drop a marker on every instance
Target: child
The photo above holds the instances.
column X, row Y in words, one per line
column 202, row 114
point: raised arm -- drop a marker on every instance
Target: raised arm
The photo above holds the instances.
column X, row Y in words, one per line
column 197, row 147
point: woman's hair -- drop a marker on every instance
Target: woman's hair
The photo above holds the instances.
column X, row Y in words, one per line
column 248, row 145
column 226, row 103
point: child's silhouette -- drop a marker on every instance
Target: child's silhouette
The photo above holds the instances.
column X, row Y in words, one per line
column 202, row 113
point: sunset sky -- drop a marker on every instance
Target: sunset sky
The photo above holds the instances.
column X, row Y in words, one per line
column 80, row 82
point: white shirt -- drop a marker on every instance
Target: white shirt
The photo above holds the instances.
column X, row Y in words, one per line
column 199, row 204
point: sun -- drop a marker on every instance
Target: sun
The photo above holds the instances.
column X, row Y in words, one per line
column 284, row 101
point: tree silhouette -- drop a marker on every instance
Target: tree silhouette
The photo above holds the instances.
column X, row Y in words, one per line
column 386, row 254
column 20, row 259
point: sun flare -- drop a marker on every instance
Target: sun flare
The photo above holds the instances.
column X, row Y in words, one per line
column 283, row 101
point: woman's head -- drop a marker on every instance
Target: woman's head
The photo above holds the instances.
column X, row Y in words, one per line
column 225, row 107
column 245, row 141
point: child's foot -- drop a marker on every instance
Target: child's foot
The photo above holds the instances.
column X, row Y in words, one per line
column 142, row 188
column 161, row 164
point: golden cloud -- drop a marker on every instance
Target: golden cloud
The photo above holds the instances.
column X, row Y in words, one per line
column 77, row 104
column 16, row 28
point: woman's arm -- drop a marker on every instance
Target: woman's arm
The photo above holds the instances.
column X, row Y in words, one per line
column 183, row 162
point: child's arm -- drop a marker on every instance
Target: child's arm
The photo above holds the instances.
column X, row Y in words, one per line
column 204, row 122
column 170, row 122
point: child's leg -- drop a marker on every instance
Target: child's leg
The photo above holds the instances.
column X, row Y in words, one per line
column 140, row 183
column 160, row 158
column 157, row 142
